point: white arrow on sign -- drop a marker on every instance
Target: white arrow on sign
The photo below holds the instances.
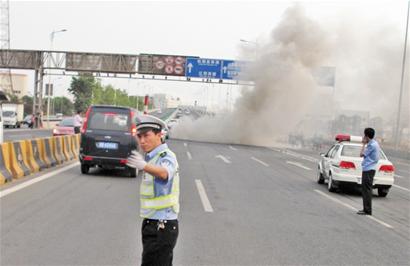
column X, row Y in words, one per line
column 225, row 68
column 190, row 66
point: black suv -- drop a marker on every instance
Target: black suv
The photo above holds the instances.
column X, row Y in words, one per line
column 107, row 138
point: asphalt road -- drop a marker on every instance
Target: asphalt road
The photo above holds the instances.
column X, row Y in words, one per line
column 258, row 206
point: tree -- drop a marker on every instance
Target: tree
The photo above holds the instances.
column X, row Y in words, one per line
column 63, row 105
column 28, row 104
column 82, row 88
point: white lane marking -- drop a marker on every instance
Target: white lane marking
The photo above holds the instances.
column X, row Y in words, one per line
column 398, row 176
column 203, row 196
column 298, row 165
column 232, row 148
column 223, row 158
column 259, row 161
column 36, row 180
column 275, row 149
column 185, row 144
column 406, row 189
column 189, row 155
column 301, row 156
column 352, row 208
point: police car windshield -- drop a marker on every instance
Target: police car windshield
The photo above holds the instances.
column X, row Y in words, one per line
column 354, row 151
column 109, row 119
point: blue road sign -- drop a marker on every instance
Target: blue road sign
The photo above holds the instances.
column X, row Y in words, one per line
column 203, row 68
column 231, row 69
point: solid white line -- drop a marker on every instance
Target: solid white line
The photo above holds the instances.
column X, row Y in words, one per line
column 259, row 161
column 232, row 148
column 352, row 208
column 223, row 158
column 36, row 180
column 185, row 144
column 189, row 155
column 399, row 176
column 203, row 196
column 406, row 189
column 298, row 165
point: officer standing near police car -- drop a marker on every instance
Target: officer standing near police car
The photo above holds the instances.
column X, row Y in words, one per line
column 159, row 192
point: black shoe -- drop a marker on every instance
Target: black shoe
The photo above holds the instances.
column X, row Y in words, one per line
column 362, row 212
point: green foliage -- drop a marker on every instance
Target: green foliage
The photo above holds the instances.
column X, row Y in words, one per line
column 87, row 90
column 63, row 105
column 81, row 88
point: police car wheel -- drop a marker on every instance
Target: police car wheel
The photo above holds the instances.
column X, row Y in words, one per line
column 320, row 178
column 85, row 168
column 382, row 192
column 330, row 184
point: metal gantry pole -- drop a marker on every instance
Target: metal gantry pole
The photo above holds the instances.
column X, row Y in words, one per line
column 403, row 67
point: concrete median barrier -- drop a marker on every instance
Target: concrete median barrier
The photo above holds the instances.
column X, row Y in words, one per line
column 14, row 166
column 56, row 149
column 58, row 141
column 48, row 150
column 75, row 146
column 34, row 147
column 30, row 157
column 20, row 156
column 68, row 147
column 42, row 151
column 5, row 163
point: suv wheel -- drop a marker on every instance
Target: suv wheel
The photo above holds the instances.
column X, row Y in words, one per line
column 132, row 172
column 85, row 169
column 330, row 185
column 382, row 191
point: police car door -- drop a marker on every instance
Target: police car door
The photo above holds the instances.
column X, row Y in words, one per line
column 333, row 159
column 325, row 161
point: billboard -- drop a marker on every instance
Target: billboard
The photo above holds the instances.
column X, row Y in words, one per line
column 168, row 65
column 112, row 63
column 21, row 59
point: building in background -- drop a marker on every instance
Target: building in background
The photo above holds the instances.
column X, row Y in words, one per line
column 19, row 84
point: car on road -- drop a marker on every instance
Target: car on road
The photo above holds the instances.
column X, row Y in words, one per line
column 342, row 165
column 107, row 138
column 65, row 127
column 28, row 119
column 171, row 123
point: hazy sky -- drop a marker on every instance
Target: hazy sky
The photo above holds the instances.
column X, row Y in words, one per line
column 210, row 29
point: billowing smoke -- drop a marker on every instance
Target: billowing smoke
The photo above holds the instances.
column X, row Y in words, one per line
column 285, row 92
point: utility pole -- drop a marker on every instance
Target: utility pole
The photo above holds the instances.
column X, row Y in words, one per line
column 6, row 79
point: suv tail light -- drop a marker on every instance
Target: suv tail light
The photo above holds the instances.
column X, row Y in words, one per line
column 85, row 123
column 387, row 168
column 347, row 165
column 133, row 125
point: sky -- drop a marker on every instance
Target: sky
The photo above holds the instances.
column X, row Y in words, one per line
column 209, row 29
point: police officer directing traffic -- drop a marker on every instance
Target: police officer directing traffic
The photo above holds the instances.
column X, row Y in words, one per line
column 159, row 192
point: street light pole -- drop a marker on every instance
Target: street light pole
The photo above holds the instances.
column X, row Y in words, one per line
column 49, row 76
column 403, row 67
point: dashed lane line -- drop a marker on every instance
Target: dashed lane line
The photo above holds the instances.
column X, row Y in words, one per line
column 189, row 155
column 298, row 165
column 204, row 198
column 259, row 161
column 232, row 148
column 403, row 188
column 223, row 158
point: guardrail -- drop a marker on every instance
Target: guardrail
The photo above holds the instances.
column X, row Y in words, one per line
column 25, row 157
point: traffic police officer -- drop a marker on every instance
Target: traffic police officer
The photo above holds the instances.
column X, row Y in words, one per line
column 159, row 192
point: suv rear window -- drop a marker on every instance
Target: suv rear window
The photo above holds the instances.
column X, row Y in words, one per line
column 109, row 119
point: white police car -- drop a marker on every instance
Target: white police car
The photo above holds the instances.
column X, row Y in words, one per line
column 342, row 164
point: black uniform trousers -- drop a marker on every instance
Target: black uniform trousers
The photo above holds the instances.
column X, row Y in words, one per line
column 76, row 130
column 367, row 190
column 158, row 242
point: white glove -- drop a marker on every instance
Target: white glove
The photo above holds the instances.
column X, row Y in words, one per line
column 136, row 161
